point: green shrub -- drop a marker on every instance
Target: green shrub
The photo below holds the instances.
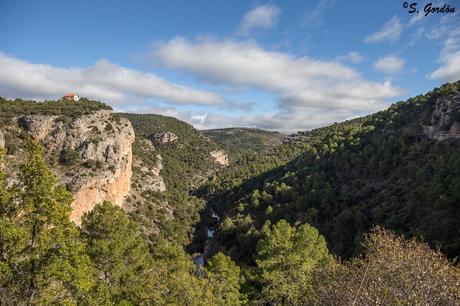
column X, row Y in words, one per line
column 70, row 157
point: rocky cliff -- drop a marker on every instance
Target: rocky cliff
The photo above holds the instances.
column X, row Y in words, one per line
column 91, row 154
column 445, row 119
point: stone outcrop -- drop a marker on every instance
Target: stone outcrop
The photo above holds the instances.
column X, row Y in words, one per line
column 2, row 140
column 100, row 145
column 444, row 122
column 165, row 137
column 147, row 178
column 220, row 157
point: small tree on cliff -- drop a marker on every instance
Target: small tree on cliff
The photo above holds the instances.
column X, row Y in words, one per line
column 42, row 259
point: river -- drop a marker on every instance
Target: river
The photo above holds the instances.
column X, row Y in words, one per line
column 198, row 258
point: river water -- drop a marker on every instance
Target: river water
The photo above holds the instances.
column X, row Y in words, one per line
column 198, row 258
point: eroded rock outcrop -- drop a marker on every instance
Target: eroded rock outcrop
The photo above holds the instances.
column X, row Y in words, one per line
column 445, row 119
column 2, row 140
column 93, row 155
column 220, row 157
column 146, row 177
column 165, row 137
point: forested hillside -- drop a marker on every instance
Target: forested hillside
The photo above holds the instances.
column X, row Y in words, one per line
column 115, row 256
column 240, row 141
column 47, row 260
column 182, row 157
column 360, row 211
column 186, row 159
column 399, row 168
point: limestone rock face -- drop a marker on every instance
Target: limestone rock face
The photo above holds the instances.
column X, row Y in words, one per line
column 455, row 128
column 148, row 178
column 100, row 145
column 165, row 137
column 2, row 140
column 444, row 122
column 220, row 157
column 38, row 126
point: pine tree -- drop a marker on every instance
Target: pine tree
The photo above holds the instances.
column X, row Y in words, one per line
column 119, row 253
column 285, row 258
column 45, row 261
column 224, row 274
column 179, row 283
column 12, row 240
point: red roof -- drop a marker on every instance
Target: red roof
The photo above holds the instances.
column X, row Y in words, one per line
column 70, row 95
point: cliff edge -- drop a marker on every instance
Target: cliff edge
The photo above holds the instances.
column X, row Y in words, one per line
column 91, row 154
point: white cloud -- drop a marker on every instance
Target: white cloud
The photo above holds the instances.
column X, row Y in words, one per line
column 452, row 43
column 262, row 17
column 444, row 27
column 449, row 59
column 353, row 57
column 199, row 118
column 285, row 121
column 305, row 87
column 390, row 32
column 449, row 70
column 104, row 80
column 389, row 64
column 416, row 19
column 315, row 16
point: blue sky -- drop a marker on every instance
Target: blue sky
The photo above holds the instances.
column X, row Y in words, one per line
column 280, row 65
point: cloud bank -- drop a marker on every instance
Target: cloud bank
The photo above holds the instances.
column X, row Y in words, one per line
column 298, row 81
column 310, row 92
column 103, row 81
column 449, row 59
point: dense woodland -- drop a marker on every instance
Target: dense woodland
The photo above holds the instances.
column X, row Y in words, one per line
column 379, row 169
column 240, row 141
column 186, row 165
column 47, row 259
column 357, row 213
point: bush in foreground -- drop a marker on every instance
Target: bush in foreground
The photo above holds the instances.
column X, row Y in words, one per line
column 394, row 271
